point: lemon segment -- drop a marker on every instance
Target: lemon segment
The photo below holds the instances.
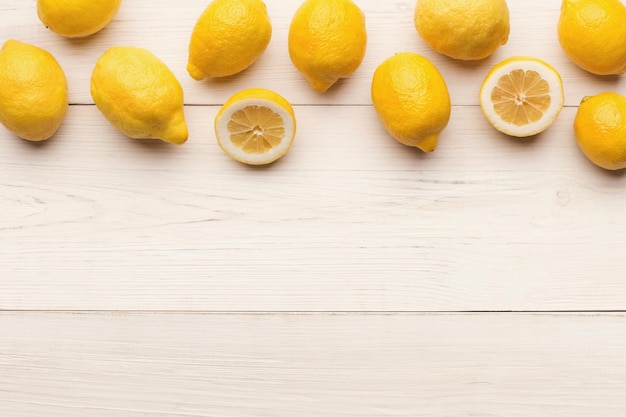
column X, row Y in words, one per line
column 592, row 34
column 76, row 18
column 255, row 126
column 33, row 91
column 327, row 41
column 228, row 37
column 522, row 96
column 139, row 95
column 600, row 129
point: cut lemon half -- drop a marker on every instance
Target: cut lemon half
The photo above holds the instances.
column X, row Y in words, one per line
column 522, row 96
column 255, row 126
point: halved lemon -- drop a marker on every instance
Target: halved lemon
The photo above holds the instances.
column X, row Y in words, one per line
column 522, row 96
column 255, row 126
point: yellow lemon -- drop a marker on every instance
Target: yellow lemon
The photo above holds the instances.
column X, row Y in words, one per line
column 228, row 37
column 327, row 41
column 593, row 34
column 139, row 95
column 255, row 126
column 411, row 99
column 522, row 96
column 463, row 29
column 76, row 18
column 33, row 91
column 600, row 128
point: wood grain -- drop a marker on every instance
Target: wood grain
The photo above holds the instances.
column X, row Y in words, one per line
column 119, row 258
column 183, row 365
column 348, row 221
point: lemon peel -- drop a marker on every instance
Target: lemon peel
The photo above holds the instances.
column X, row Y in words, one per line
column 327, row 41
column 33, row 91
column 77, row 18
column 411, row 99
column 139, row 95
column 592, row 34
column 228, row 37
column 463, row 29
column 600, row 129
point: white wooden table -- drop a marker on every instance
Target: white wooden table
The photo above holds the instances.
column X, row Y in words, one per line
column 355, row 277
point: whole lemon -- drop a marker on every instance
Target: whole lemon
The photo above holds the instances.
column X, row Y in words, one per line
column 411, row 99
column 327, row 41
column 463, row 29
column 593, row 34
column 33, row 91
column 139, row 95
column 76, row 18
column 600, row 128
column 228, row 37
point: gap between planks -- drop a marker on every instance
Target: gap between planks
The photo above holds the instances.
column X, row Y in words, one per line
column 319, row 313
column 315, row 105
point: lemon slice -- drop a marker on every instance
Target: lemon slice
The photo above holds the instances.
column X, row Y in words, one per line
column 255, row 126
column 522, row 96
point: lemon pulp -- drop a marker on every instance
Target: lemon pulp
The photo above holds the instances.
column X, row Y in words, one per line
column 256, row 129
column 521, row 97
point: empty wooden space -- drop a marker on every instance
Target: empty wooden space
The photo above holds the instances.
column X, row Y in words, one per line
column 141, row 365
column 354, row 277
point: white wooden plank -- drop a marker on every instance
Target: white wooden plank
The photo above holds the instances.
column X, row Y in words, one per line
column 181, row 365
column 165, row 27
column 349, row 220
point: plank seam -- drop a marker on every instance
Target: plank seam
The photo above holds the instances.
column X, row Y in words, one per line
column 308, row 105
column 312, row 312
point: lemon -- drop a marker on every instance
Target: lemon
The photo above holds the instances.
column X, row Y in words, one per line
column 411, row 99
column 593, row 34
column 463, row 29
column 522, row 96
column 255, row 126
column 139, row 95
column 76, row 18
column 327, row 41
column 228, row 37
column 33, row 91
column 600, row 128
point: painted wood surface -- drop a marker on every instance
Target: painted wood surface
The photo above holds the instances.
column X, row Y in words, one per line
column 349, row 220
column 140, row 279
column 401, row 365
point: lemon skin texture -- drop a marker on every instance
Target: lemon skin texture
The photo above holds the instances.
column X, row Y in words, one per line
column 592, row 34
column 412, row 100
column 327, row 41
column 33, row 91
column 77, row 18
column 600, row 128
column 463, row 29
column 229, row 36
column 139, row 95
